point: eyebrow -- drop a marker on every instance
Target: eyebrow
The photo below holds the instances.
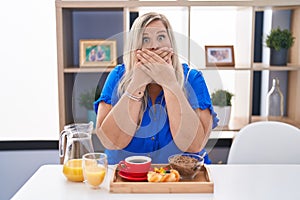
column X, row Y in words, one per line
column 163, row 31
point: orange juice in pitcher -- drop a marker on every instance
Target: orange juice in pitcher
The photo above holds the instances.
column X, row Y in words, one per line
column 79, row 142
column 73, row 170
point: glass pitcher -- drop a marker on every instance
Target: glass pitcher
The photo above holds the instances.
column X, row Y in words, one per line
column 79, row 142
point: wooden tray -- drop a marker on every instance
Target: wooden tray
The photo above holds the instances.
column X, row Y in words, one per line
column 201, row 184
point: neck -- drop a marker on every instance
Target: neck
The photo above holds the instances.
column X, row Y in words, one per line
column 154, row 90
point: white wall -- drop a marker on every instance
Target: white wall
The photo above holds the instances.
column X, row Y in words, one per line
column 28, row 85
column 28, row 78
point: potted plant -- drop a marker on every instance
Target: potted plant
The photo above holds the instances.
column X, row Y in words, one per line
column 86, row 100
column 279, row 41
column 221, row 100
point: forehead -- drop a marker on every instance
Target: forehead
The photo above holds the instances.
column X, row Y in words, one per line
column 155, row 26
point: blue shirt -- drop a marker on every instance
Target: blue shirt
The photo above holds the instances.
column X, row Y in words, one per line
column 153, row 138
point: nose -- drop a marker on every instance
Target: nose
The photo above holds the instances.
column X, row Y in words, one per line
column 152, row 45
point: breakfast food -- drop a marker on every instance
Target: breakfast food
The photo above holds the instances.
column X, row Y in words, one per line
column 187, row 165
column 163, row 175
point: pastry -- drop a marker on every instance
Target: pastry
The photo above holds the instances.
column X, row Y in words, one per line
column 163, row 175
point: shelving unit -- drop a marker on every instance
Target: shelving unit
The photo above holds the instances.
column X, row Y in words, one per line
column 72, row 15
column 86, row 70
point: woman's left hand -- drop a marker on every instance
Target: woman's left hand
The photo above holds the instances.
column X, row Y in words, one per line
column 159, row 68
column 165, row 53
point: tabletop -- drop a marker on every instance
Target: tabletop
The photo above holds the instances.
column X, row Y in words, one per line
column 234, row 182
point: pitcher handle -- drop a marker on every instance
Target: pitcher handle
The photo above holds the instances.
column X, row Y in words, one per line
column 91, row 126
column 62, row 143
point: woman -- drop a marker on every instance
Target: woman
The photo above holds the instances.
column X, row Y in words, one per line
column 152, row 104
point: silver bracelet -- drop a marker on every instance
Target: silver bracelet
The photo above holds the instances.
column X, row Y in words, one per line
column 131, row 96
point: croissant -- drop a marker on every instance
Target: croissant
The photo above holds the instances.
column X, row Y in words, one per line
column 173, row 176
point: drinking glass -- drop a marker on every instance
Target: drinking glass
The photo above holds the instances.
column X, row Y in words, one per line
column 94, row 167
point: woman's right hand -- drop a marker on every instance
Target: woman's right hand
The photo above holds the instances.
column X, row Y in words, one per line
column 140, row 79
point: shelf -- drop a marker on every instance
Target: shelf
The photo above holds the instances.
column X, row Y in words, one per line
column 289, row 67
column 136, row 3
column 235, row 124
column 226, row 68
column 87, row 70
column 258, row 67
column 279, row 119
column 238, row 122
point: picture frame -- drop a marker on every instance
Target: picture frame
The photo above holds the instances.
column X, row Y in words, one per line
column 219, row 55
column 97, row 53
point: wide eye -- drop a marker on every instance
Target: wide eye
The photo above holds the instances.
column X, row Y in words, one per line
column 146, row 40
column 161, row 37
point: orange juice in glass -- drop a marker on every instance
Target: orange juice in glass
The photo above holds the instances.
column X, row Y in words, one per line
column 94, row 167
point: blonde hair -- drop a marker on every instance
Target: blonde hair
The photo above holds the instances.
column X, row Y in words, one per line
column 134, row 42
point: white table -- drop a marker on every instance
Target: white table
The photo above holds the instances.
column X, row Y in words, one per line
column 232, row 182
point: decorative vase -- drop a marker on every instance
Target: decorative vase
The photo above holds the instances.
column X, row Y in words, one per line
column 275, row 100
column 91, row 116
column 278, row 58
column 223, row 113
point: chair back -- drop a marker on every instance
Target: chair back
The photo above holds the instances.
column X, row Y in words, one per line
column 267, row 142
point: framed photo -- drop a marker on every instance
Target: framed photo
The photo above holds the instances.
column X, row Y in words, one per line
column 219, row 55
column 97, row 53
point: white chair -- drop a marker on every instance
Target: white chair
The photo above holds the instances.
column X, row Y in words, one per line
column 267, row 142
